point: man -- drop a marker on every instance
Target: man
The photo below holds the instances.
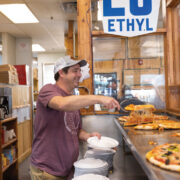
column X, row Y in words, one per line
column 57, row 124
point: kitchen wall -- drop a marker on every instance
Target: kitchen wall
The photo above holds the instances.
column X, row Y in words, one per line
column 45, row 58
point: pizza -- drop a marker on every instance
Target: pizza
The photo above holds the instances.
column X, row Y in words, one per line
column 166, row 156
column 160, row 117
column 159, row 124
column 150, row 126
column 176, row 134
column 132, row 107
column 163, row 121
column 131, row 123
column 174, row 125
column 123, row 118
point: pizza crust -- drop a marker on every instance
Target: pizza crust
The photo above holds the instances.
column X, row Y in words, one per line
column 164, row 166
column 174, row 125
column 165, row 152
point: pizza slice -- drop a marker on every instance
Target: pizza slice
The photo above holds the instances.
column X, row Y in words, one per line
column 166, row 156
column 132, row 107
column 160, row 117
column 176, row 134
column 174, row 125
column 150, row 126
column 123, row 118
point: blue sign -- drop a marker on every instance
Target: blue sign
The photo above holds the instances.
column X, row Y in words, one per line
column 130, row 17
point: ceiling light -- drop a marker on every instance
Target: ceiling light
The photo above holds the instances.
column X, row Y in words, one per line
column 37, row 48
column 18, row 13
column 0, row 47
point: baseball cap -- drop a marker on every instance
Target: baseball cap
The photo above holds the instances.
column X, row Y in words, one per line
column 66, row 61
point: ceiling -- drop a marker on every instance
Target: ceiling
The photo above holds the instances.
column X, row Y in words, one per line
column 53, row 21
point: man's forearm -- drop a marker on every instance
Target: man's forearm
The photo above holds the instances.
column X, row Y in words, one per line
column 72, row 103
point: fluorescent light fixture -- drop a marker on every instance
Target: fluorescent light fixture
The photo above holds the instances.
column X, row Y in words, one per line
column 18, row 13
column 37, row 48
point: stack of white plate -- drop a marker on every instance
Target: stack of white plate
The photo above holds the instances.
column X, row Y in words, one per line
column 105, row 155
column 102, row 149
column 91, row 166
column 90, row 177
column 104, row 143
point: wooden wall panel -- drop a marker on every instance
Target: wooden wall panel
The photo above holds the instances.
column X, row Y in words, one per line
column 146, row 63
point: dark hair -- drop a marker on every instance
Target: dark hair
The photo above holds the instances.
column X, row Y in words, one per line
column 65, row 70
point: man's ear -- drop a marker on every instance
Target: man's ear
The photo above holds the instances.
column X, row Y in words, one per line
column 61, row 73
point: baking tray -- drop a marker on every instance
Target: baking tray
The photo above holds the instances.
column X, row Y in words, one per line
column 138, row 142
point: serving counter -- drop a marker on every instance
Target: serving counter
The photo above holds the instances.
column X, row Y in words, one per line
column 140, row 142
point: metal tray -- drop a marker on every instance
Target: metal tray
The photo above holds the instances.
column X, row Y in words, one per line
column 138, row 142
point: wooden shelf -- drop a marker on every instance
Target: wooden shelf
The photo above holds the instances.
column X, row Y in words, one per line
column 8, row 120
column 9, row 143
column 101, row 33
column 5, row 168
column 10, row 171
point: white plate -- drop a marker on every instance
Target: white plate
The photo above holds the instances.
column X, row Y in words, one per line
column 104, row 142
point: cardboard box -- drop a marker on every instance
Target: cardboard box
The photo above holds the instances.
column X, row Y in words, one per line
column 23, row 74
column 7, row 67
column 8, row 77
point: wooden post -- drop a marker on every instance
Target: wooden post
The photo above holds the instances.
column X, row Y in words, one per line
column 85, row 44
column 69, row 40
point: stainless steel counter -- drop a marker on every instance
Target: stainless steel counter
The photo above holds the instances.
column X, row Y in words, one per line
column 125, row 166
column 138, row 142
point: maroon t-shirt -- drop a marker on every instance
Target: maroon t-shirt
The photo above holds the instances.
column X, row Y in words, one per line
column 55, row 145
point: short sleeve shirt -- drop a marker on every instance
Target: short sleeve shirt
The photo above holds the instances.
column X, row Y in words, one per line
column 55, row 145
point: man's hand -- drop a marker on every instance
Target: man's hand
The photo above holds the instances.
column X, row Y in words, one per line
column 95, row 134
column 83, row 135
column 109, row 102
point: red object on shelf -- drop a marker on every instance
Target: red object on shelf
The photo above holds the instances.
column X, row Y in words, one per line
column 23, row 74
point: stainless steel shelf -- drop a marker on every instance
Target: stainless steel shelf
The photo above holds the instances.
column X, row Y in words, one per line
column 138, row 142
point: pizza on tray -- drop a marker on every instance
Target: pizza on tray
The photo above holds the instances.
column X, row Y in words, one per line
column 149, row 126
column 132, row 107
column 166, row 156
column 160, row 124
column 123, row 118
column 160, row 117
column 176, row 134
column 174, row 125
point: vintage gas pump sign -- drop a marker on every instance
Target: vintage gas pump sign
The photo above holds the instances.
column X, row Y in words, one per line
column 130, row 17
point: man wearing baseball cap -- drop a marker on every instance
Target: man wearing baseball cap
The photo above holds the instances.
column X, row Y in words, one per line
column 57, row 124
